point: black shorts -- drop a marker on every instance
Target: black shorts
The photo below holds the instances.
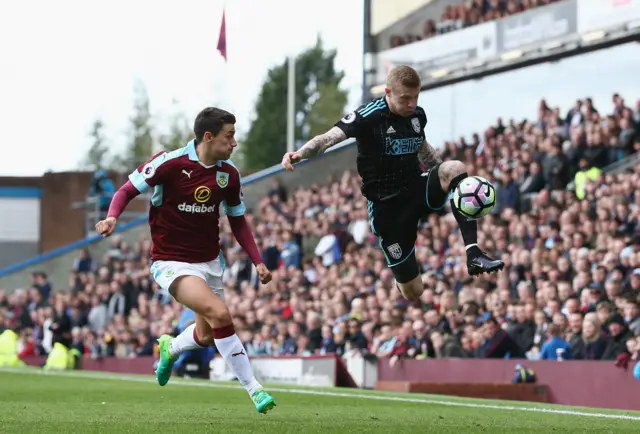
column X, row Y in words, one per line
column 395, row 223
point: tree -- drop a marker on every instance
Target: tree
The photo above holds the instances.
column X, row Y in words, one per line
column 316, row 80
column 323, row 111
column 179, row 131
column 95, row 158
column 141, row 145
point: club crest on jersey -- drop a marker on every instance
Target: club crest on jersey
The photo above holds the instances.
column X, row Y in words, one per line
column 415, row 123
column 222, row 178
column 395, row 251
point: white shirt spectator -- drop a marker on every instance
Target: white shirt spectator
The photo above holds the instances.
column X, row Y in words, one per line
column 328, row 249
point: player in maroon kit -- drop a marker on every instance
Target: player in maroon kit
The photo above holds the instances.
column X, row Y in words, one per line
column 190, row 185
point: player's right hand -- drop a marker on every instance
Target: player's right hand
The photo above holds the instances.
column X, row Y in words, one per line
column 289, row 159
column 106, row 227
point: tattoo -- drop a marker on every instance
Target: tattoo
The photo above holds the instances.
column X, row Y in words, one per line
column 429, row 156
column 319, row 144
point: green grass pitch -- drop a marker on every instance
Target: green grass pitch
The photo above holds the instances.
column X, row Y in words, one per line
column 32, row 401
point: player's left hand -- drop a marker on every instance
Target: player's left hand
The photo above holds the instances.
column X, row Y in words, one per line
column 263, row 273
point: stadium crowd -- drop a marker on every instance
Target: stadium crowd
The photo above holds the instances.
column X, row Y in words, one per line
column 466, row 14
column 570, row 288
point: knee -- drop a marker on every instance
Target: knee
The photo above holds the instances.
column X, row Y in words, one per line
column 451, row 173
column 217, row 314
column 415, row 294
column 412, row 291
column 456, row 167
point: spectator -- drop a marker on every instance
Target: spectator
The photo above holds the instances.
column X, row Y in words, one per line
column 384, row 344
column 40, row 282
column 445, row 345
column 328, row 249
column 555, row 348
column 632, row 315
column 98, row 315
column 508, row 192
column 291, row 254
column 328, row 344
column 523, row 329
column 593, row 343
column 83, row 263
column 496, row 343
column 533, row 180
column 470, row 13
column 633, row 348
column 586, row 174
column 356, row 339
column 60, row 324
column 102, row 189
column 278, row 190
column 555, row 166
column 618, row 336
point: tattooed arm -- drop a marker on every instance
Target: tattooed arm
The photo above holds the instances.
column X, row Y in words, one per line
column 319, row 144
column 428, row 155
column 316, row 146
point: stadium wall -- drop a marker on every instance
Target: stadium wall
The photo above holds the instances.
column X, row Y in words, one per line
column 323, row 371
column 581, row 383
column 61, row 222
column 19, row 223
column 577, row 383
column 57, row 262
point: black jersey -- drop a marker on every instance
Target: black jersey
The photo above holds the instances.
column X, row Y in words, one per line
column 388, row 145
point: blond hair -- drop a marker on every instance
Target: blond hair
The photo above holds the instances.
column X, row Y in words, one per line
column 592, row 318
column 403, row 75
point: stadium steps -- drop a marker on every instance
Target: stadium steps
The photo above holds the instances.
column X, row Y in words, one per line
column 57, row 263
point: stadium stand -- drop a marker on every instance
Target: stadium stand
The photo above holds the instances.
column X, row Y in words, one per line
column 466, row 14
column 570, row 290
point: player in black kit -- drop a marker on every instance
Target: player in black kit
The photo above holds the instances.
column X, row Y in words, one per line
column 391, row 145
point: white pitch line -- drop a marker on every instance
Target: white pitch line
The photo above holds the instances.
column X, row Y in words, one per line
column 107, row 376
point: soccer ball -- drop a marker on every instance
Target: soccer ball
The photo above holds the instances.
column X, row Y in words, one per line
column 474, row 197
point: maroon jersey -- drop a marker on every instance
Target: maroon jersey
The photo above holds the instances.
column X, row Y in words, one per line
column 186, row 201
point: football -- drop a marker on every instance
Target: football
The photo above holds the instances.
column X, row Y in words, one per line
column 474, row 197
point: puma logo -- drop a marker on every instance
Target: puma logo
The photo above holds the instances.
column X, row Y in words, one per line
column 187, row 173
column 241, row 353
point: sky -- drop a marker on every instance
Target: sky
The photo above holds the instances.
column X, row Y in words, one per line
column 66, row 63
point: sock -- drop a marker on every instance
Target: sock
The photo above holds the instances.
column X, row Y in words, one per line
column 468, row 227
column 187, row 340
column 233, row 352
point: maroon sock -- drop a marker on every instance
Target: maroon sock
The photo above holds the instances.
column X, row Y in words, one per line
column 195, row 337
column 223, row 332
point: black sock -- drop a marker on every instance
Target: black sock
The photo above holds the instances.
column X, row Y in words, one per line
column 468, row 227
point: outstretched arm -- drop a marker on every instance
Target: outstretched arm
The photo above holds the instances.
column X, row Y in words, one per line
column 119, row 202
column 121, row 199
column 319, row 144
column 313, row 147
column 428, row 155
